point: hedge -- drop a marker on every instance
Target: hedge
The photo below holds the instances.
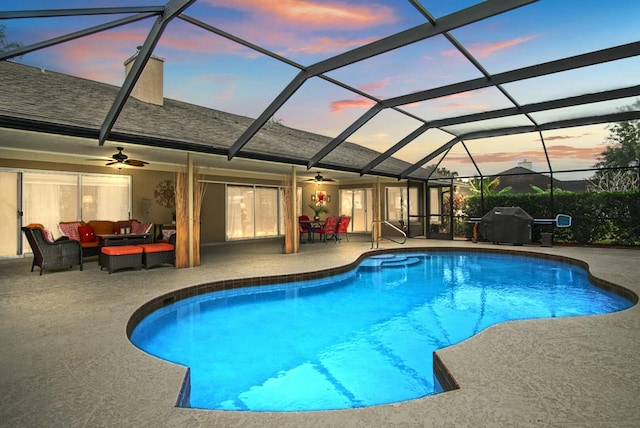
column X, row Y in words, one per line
column 611, row 217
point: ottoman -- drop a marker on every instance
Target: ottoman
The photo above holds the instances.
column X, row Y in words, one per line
column 157, row 254
column 120, row 257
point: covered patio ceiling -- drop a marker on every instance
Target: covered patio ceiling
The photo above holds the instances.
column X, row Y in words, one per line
column 470, row 87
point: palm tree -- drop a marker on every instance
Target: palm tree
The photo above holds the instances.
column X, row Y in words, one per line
column 487, row 186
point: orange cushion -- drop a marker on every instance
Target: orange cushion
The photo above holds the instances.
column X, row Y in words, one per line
column 48, row 236
column 157, row 247
column 86, row 234
column 121, row 250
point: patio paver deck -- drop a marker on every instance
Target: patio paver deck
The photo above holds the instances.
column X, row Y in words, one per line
column 66, row 361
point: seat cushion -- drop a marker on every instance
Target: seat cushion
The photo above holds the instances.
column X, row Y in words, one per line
column 157, row 247
column 121, row 250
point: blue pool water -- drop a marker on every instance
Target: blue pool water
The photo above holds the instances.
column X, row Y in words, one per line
column 362, row 338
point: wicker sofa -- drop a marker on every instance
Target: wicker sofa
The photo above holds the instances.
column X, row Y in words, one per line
column 85, row 232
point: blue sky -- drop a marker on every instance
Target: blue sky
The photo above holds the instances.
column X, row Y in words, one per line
column 205, row 69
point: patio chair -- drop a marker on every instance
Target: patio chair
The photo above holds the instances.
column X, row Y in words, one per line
column 48, row 255
column 304, row 225
column 328, row 229
column 343, row 227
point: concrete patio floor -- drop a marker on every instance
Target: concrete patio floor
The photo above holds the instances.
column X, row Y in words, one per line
column 66, row 360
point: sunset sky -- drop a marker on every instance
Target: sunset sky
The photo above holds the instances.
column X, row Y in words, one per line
column 208, row 70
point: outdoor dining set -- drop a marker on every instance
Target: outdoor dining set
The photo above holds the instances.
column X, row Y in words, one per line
column 328, row 229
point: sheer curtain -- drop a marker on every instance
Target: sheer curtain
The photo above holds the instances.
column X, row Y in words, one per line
column 106, row 197
column 252, row 212
column 49, row 198
column 8, row 213
column 239, row 212
column 398, row 201
column 267, row 211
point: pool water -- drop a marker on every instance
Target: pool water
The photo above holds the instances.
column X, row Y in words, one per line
column 362, row 338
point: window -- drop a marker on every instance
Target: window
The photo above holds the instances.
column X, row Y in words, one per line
column 49, row 198
column 105, row 197
column 253, row 212
column 397, row 203
column 357, row 204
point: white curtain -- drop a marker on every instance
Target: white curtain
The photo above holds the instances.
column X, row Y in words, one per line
column 49, row 198
column 105, row 197
column 252, row 212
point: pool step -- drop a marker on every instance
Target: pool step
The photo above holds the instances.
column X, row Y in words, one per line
column 389, row 260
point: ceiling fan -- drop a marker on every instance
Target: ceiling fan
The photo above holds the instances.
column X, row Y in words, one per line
column 320, row 179
column 120, row 159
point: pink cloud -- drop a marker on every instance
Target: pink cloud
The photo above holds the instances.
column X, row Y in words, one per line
column 555, row 153
column 588, row 153
column 462, row 106
column 377, row 85
column 100, row 56
column 339, row 106
column 325, row 45
column 309, row 13
column 484, row 49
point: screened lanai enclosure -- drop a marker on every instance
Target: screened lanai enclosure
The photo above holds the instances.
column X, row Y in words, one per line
column 435, row 94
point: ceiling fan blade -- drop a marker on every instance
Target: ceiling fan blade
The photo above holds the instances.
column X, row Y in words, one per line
column 111, row 163
column 136, row 162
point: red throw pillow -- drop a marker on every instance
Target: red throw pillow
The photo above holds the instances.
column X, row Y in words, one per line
column 86, row 234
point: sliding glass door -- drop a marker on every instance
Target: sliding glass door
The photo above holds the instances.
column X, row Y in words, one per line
column 253, row 212
column 49, row 197
column 357, row 204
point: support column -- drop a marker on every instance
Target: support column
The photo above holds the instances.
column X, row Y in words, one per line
column 190, row 205
column 294, row 213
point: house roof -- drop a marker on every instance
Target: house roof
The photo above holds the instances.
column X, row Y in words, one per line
column 40, row 100
column 520, row 179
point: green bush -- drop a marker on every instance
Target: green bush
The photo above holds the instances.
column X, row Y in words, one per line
column 612, row 217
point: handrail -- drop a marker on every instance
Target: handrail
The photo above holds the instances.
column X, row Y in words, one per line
column 377, row 241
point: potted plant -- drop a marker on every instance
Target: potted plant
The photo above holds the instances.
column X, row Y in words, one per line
column 318, row 209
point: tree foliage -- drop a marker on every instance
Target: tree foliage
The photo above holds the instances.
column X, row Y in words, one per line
column 487, row 187
column 6, row 46
column 623, row 152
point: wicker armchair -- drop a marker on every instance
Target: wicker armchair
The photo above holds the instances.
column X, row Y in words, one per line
column 49, row 255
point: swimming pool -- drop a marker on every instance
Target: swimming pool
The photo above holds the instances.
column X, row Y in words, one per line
column 361, row 338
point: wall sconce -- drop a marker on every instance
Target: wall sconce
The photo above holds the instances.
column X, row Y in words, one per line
column 87, row 199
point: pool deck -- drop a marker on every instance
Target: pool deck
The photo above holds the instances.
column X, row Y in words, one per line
column 66, row 361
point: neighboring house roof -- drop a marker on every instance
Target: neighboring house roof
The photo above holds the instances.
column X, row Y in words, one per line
column 45, row 101
column 521, row 179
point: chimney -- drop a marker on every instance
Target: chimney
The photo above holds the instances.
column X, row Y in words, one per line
column 149, row 87
column 526, row 164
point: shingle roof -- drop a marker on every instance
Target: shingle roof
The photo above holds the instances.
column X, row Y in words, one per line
column 521, row 179
column 41, row 100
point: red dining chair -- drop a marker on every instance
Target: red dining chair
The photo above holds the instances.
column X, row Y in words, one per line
column 343, row 227
column 328, row 229
column 304, row 225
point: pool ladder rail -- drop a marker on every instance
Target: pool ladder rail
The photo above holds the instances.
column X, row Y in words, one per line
column 376, row 239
